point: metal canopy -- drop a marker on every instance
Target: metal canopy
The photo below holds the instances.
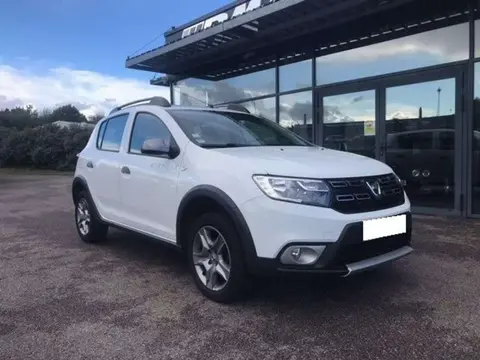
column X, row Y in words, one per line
column 288, row 31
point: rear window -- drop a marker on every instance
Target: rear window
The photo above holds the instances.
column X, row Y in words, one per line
column 111, row 133
column 217, row 129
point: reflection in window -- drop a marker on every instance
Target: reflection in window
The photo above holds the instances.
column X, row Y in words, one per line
column 425, row 49
column 101, row 132
column 411, row 140
column 197, row 92
column 112, row 138
column 421, row 140
column 296, row 76
column 264, row 108
column 192, row 92
column 424, row 100
column 147, row 127
column 476, row 144
column 296, row 114
column 477, row 39
column 349, row 122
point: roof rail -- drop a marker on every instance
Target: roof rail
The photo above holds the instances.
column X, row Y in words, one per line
column 155, row 100
column 235, row 107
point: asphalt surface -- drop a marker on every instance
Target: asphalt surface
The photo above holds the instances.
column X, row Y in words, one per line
column 131, row 298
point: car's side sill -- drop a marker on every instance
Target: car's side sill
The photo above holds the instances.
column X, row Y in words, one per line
column 120, row 226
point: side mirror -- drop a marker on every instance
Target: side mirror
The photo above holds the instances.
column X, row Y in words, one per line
column 160, row 148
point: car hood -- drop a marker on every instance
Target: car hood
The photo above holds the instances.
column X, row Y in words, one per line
column 302, row 161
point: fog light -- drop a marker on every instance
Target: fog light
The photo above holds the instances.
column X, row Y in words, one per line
column 415, row 173
column 295, row 253
column 301, row 255
column 426, row 173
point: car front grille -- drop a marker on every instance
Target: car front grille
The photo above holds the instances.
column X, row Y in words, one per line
column 353, row 195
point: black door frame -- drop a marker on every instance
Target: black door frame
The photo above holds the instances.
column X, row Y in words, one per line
column 380, row 84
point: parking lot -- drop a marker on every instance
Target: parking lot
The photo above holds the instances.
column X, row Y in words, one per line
column 131, row 298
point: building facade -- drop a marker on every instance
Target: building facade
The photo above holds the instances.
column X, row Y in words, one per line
column 400, row 84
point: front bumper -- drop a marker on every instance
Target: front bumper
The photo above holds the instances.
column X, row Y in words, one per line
column 348, row 255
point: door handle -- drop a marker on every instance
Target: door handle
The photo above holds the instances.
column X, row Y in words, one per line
column 125, row 170
column 90, row 165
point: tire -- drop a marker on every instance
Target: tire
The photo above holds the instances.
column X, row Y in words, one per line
column 89, row 227
column 236, row 285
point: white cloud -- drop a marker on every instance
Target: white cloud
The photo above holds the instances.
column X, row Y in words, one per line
column 90, row 92
column 447, row 44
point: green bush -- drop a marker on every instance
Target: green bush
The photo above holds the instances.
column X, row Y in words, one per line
column 43, row 147
column 28, row 140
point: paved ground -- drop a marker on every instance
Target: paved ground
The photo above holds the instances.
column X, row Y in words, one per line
column 133, row 299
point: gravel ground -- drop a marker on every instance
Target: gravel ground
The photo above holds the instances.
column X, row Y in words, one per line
column 131, row 298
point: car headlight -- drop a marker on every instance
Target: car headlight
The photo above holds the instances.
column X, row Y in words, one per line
column 300, row 191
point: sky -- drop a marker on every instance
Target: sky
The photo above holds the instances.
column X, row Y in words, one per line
column 73, row 51
column 54, row 52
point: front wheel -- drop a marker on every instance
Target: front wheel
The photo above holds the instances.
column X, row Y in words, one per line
column 216, row 258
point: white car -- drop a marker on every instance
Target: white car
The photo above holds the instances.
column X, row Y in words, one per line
column 239, row 194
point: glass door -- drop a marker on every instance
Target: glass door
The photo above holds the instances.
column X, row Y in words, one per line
column 412, row 122
column 422, row 139
column 349, row 121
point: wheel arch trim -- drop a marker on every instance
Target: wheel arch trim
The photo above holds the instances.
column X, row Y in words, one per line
column 81, row 181
column 234, row 213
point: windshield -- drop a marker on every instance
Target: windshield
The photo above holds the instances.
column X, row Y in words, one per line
column 217, row 129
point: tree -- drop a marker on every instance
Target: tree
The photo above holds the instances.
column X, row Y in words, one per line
column 19, row 117
column 96, row 118
column 67, row 113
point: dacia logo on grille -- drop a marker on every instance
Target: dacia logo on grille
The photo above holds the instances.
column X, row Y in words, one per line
column 375, row 188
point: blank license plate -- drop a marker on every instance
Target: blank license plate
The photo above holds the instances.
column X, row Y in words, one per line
column 382, row 227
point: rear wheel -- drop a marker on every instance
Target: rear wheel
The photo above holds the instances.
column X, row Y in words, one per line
column 89, row 227
column 216, row 258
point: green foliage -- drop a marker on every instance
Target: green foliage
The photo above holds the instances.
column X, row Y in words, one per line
column 30, row 140
column 67, row 113
column 96, row 118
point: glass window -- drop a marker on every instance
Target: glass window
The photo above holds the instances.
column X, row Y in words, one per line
column 349, row 122
column 296, row 76
column 193, row 92
column 197, row 92
column 147, row 127
column 425, row 49
column 415, row 140
column 419, row 101
column 477, row 38
column 476, row 144
column 217, row 129
column 446, row 139
column 246, row 86
column 101, row 132
column 263, row 107
column 112, row 139
column 421, row 119
column 296, row 114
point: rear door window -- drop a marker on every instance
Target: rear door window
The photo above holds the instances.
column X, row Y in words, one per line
column 111, row 139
